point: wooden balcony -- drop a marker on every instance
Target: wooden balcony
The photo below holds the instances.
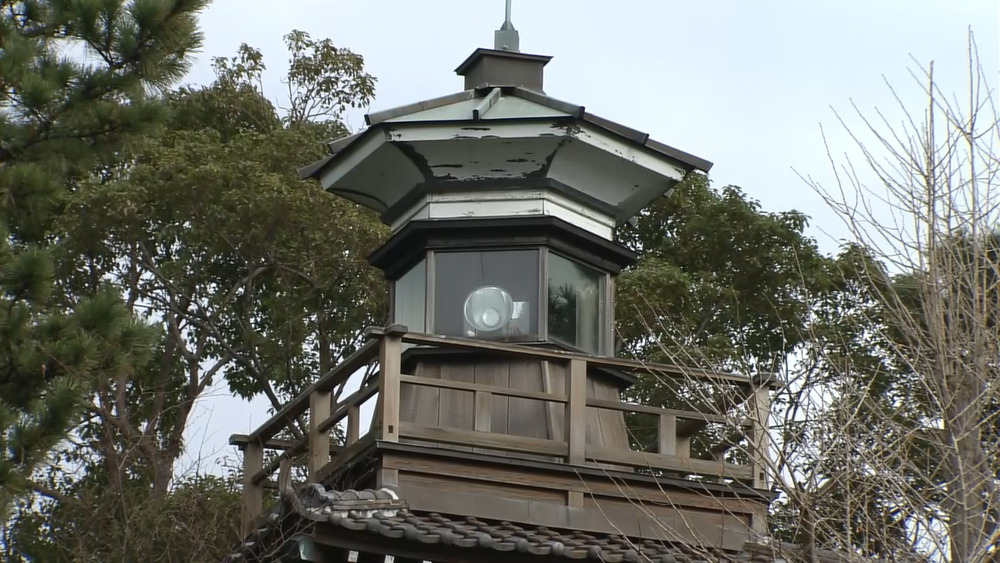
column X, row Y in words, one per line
column 736, row 461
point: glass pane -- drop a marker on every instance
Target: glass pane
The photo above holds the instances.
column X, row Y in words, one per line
column 576, row 304
column 492, row 294
column 411, row 297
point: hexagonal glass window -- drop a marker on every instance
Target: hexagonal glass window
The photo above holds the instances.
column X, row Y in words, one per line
column 576, row 304
column 487, row 294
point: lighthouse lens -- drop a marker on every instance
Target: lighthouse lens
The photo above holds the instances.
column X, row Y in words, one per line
column 488, row 308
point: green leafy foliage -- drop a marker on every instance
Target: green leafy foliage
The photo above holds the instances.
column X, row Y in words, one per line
column 63, row 119
column 256, row 279
column 60, row 116
column 720, row 284
column 197, row 521
column 717, row 274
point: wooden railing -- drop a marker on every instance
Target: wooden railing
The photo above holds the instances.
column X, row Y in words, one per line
column 675, row 427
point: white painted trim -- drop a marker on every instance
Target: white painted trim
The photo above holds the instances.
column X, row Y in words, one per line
column 361, row 152
column 629, row 152
column 507, row 203
column 412, row 133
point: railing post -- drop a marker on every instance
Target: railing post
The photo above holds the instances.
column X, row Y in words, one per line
column 253, row 494
column 284, row 475
column 667, row 437
column 390, row 365
column 682, row 447
column 353, row 424
column 319, row 442
column 576, row 411
column 760, row 411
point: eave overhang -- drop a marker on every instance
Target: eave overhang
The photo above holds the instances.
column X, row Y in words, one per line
column 503, row 134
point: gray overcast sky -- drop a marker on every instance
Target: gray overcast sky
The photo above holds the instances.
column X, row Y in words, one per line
column 743, row 84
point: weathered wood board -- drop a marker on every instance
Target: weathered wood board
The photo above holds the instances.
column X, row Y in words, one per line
column 530, row 418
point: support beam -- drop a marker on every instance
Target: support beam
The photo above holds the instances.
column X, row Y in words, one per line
column 683, row 447
column 353, row 424
column 319, row 442
column 667, row 436
column 760, row 411
column 284, row 476
column 390, row 365
column 253, row 494
column 576, row 411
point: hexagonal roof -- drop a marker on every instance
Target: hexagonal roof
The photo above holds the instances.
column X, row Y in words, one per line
column 500, row 137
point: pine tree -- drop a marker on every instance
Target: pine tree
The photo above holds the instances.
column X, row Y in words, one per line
column 77, row 79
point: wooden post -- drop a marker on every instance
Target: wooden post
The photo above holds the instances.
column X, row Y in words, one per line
column 390, row 365
column 253, row 494
column 353, row 424
column 682, row 448
column 667, row 436
column 484, row 411
column 319, row 442
column 760, row 411
column 576, row 411
column 284, row 475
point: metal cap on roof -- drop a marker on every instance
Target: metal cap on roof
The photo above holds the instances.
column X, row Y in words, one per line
column 492, row 68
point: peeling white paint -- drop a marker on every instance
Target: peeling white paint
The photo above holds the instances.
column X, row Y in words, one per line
column 508, row 203
column 383, row 169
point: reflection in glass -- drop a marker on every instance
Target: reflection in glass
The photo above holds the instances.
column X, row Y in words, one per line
column 410, row 299
column 576, row 304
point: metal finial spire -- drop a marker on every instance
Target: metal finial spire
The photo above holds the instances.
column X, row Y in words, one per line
column 506, row 38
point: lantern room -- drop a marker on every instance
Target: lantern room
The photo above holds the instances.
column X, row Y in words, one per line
column 503, row 204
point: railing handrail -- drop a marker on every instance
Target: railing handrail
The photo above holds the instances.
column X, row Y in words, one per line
column 300, row 404
column 763, row 379
column 369, row 351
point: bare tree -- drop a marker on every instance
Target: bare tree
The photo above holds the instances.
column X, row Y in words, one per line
column 931, row 218
column 885, row 440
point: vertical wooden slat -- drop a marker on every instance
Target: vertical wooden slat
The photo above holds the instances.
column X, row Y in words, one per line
column 576, row 411
column 496, row 373
column 418, row 404
column 526, row 417
column 253, row 495
column 353, row 424
column 552, row 421
column 484, row 411
column 668, row 434
column 760, row 410
column 456, row 407
column 319, row 442
column 389, row 362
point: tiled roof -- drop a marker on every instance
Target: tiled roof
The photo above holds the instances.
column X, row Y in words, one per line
column 385, row 517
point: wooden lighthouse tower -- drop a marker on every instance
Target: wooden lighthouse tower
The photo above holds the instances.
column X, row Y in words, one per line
column 497, row 427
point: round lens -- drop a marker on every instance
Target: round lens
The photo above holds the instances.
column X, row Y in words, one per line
column 488, row 308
